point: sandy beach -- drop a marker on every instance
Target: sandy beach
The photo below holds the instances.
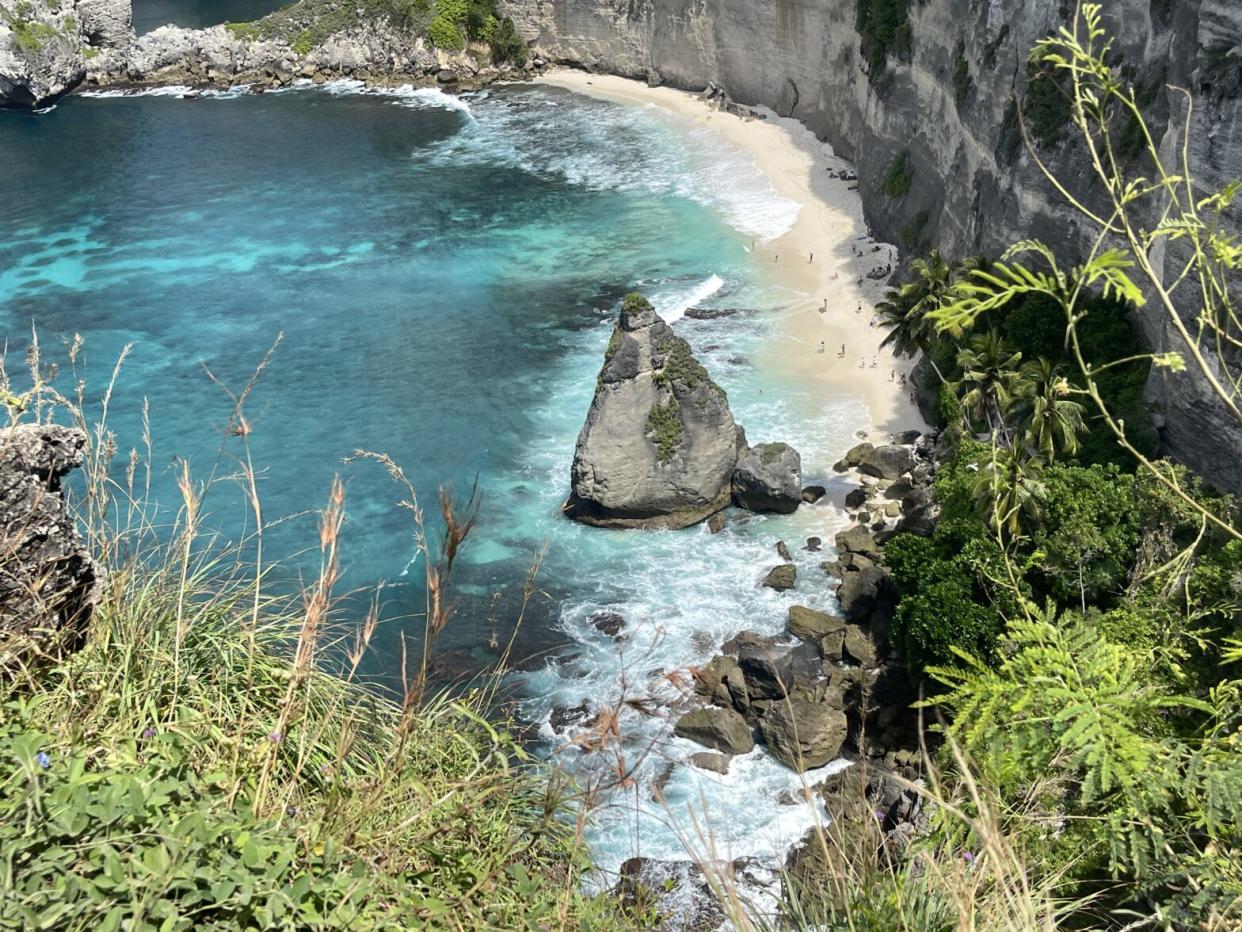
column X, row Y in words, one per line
column 826, row 255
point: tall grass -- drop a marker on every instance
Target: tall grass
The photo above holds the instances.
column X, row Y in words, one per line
column 205, row 695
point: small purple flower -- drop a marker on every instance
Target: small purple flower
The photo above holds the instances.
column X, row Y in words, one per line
column 275, row 737
column 969, row 857
column 43, row 759
column 150, row 733
column 879, row 815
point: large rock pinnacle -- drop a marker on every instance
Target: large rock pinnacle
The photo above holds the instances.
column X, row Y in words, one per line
column 659, row 445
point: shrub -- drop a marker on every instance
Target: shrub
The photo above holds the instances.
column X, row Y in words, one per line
column 664, row 427
column 446, row 28
column 900, row 176
column 961, row 74
column 884, row 28
column 1047, row 105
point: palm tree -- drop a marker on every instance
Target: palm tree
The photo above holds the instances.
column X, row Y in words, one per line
column 1008, row 489
column 905, row 310
column 993, row 381
column 1053, row 420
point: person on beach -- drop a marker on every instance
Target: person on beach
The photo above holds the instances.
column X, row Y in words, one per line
column 875, row 363
column 842, row 350
column 822, row 347
column 812, row 259
column 862, row 362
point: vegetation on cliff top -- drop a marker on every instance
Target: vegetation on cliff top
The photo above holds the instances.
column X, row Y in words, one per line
column 449, row 24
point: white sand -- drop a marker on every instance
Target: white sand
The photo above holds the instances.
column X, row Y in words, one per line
column 829, row 223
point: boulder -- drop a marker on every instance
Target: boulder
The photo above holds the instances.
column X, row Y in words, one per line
column 860, row 647
column 813, row 544
column 810, row 625
column 609, row 623
column 721, row 681
column 867, row 595
column 899, row 489
column 769, row 478
column 782, row 550
column 858, row 539
column 711, row 760
column 886, row 462
column 659, row 445
column 802, row 733
column 854, row 456
column 813, row 493
column 773, row 672
column 716, row 523
column 856, row 498
column 781, row 577
column 719, row 729
column 48, row 581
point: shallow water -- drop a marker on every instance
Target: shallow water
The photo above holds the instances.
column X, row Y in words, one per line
column 444, row 274
column 150, row 14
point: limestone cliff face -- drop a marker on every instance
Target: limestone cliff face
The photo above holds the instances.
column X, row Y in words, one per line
column 44, row 46
column 659, row 445
column 946, row 111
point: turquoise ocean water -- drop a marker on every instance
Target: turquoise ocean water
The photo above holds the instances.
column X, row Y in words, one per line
column 445, row 274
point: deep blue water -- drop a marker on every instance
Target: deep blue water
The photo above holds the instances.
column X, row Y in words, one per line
column 150, row 14
column 445, row 277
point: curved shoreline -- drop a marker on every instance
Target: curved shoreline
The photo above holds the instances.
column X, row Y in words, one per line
column 829, row 222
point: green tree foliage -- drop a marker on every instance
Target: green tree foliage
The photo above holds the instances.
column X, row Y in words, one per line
column 899, row 178
column 884, row 28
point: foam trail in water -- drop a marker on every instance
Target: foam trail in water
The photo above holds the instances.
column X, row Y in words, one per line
column 673, row 306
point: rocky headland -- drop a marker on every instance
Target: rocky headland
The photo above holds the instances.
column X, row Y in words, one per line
column 49, row 50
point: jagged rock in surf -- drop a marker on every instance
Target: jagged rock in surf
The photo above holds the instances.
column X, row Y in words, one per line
column 769, row 478
column 659, row 445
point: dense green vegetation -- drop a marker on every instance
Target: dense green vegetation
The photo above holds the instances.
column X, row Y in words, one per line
column 900, row 176
column 1076, row 615
column 884, row 28
column 449, row 24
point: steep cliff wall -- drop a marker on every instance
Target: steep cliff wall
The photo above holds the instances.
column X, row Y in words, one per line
column 942, row 109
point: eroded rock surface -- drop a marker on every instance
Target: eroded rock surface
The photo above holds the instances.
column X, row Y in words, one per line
column 48, row 580
column 659, row 445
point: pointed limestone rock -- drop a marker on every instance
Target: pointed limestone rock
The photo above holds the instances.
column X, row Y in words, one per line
column 659, row 445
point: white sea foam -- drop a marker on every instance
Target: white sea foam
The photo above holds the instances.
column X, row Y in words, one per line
column 600, row 145
column 682, row 595
column 673, row 304
column 173, row 90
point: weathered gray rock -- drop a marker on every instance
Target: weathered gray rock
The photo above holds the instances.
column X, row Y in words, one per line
column 659, row 445
column 784, row 576
column 803, row 734
column 866, row 595
column 609, row 623
column 810, row 625
column 711, row 761
column 773, row 672
column 860, row 646
column 813, row 493
column 40, row 53
column 105, row 22
column 48, row 580
column 856, row 498
column 858, row 539
column 886, row 462
column 719, row 729
column 769, row 478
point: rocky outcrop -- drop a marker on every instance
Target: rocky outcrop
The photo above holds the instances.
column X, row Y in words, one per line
column 716, row 728
column 931, row 125
column 803, row 733
column 44, row 46
column 659, row 445
column 48, row 581
column 769, row 478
